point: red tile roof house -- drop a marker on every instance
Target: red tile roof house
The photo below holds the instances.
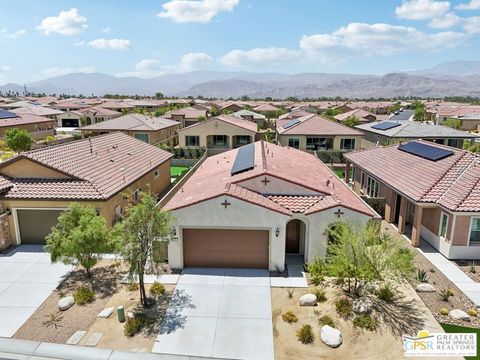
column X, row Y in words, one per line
column 35, row 186
column 39, row 127
column 92, row 115
column 363, row 116
column 313, row 132
column 220, row 133
column 249, row 207
column 439, row 201
column 187, row 116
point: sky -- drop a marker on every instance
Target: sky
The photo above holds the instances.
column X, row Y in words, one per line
column 146, row 38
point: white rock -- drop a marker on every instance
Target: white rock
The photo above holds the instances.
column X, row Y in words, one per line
column 130, row 315
column 66, row 303
column 458, row 314
column 331, row 336
column 361, row 307
column 308, row 300
column 105, row 313
column 424, row 287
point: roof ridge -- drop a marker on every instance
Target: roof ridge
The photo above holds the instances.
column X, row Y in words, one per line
column 264, row 156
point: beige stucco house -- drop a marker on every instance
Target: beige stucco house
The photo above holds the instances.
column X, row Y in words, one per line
column 39, row 127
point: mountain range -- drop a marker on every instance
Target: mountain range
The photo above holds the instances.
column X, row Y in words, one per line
column 457, row 78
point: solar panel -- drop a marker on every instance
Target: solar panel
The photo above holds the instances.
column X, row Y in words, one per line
column 385, row 125
column 425, row 151
column 4, row 114
column 245, row 159
column 291, row 123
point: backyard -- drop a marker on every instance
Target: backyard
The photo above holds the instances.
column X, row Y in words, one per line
column 178, row 171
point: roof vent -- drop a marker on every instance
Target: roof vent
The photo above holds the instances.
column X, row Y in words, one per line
column 112, row 160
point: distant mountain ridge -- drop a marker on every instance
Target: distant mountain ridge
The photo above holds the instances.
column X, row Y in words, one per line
column 458, row 78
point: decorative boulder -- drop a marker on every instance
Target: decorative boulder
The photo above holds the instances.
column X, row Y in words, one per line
column 308, row 300
column 331, row 336
column 458, row 314
column 424, row 287
column 361, row 307
column 66, row 303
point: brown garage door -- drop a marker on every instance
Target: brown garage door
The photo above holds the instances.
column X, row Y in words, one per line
column 35, row 225
column 225, row 248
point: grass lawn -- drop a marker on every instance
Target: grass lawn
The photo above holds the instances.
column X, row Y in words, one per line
column 340, row 173
column 462, row 329
column 176, row 171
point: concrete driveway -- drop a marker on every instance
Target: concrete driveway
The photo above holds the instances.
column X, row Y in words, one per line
column 219, row 313
column 27, row 278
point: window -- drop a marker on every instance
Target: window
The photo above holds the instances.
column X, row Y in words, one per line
column 220, row 140
column 443, row 225
column 243, row 139
column 118, row 211
column 453, row 142
column 136, row 195
column 363, row 180
column 192, row 140
column 347, row 144
column 156, row 173
column 294, row 143
column 369, row 185
column 352, row 175
column 475, row 231
column 141, row 136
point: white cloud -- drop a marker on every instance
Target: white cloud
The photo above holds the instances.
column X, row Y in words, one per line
column 113, row 44
column 472, row 25
column 12, row 35
column 196, row 11
column 446, row 21
column 66, row 23
column 55, row 71
column 472, row 5
column 106, row 30
column 377, row 39
column 259, row 57
column 422, row 9
column 194, row 61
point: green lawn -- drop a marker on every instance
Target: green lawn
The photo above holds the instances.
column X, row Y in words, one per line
column 462, row 329
column 176, row 171
column 340, row 173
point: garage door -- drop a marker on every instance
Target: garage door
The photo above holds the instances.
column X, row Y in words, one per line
column 35, row 225
column 225, row 248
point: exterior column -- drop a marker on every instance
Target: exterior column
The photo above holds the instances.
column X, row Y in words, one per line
column 347, row 172
column 389, row 206
column 417, row 223
column 403, row 215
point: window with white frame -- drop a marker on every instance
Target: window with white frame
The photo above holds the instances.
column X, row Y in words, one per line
column 369, row 185
column 443, row 225
column 475, row 231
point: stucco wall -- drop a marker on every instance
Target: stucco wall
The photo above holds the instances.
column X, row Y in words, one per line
column 462, row 230
column 431, row 219
column 25, row 168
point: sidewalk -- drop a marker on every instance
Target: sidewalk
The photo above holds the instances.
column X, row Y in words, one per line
column 467, row 285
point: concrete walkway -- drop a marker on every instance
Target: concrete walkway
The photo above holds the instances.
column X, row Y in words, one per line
column 296, row 274
column 468, row 286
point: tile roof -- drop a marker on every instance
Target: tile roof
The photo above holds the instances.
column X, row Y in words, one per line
column 99, row 168
column 99, row 111
column 132, row 122
column 453, row 182
column 116, row 105
column 188, row 112
column 242, row 123
column 316, row 125
column 213, row 179
column 244, row 112
column 294, row 114
column 358, row 113
column 266, row 107
column 24, row 119
column 37, row 110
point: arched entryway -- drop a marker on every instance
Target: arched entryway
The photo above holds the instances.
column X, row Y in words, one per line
column 295, row 237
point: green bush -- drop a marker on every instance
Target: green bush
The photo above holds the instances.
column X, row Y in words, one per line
column 132, row 286
column 136, row 324
column 316, row 279
column 386, row 293
column 422, row 276
column 365, row 322
column 305, row 334
column 326, row 320
column 83, row 295
column 320, row 294
column 289, row 317
column 157, row 289
column 344, row 307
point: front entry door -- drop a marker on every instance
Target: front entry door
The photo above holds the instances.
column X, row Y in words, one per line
column 293, row 237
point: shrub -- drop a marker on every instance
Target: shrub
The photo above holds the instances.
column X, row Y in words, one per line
column 316, row 267
column 136, row 324
column 316, row 279
column 472, row 312
column 422, row 276
column 326, row 320
column 471, row 266
column 290, row 293
column 305, row 334
column 450, row 292
column 344, row 307
column 432, row 270
column 84, row 295
column 157, row 289
column 365, row 322
column 443, row 311
column 386, row 293
column 320, row 294
column 445, row 294
column 289, row 317
column 132, row 286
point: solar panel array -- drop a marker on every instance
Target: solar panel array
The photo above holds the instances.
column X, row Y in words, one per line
column 425, row 151
column 385, row 125
column 245, row 159
column 4, row 114
column 291, row 123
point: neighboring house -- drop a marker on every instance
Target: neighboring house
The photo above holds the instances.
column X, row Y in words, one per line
column 363, row 116
column 187, row 116
column 151, row 130
column 251, row 206
column 91, row 115
column 116, row 106
column 431, row 192
column 146, row 105
column 294, row 114
column 470, row 122
column 402, row 115
column 313, row 132
column 39, row 111
column 251, row 116
column 266, row 109
column 231, row 107
column 39, row 127
column 67, row 106
column 35, row 186
column 221, row 132
column 389, row 132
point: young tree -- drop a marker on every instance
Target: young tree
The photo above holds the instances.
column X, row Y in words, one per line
column 79, row 236
column 453, row 123
column 18, row 140
column 351, row 121
column 359, row 256
column 143, row 225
